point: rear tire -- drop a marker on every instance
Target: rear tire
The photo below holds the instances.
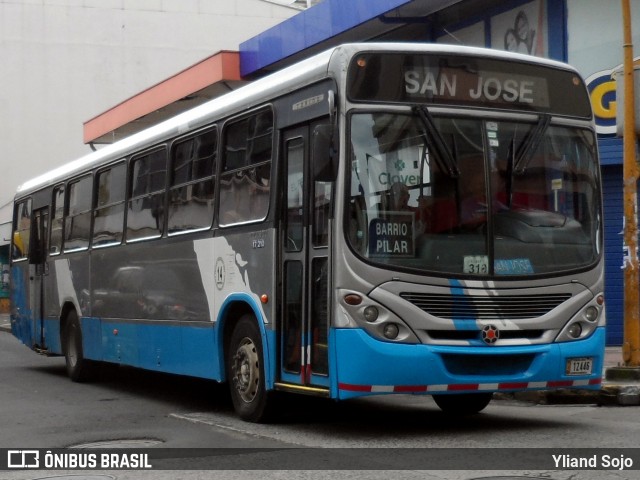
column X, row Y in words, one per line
column 79, row 369
column 245, row 372
column 463, row 403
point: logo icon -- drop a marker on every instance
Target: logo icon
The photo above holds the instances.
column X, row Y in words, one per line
column 23, row 459
column 490, row 334
column 220, row 273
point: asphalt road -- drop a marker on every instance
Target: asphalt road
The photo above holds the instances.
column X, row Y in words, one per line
column 41, row 408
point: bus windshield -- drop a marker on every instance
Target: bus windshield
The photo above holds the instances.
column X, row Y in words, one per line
column 473, row 197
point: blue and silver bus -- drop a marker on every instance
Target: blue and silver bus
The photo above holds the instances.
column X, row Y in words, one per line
column 379, row 218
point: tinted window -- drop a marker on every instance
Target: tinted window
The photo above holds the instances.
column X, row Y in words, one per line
column 191, row 195
column 108, row 217
column 57, row 222
column 145, row 215
column 246, row 178
column 77, row 223
column 21, row 230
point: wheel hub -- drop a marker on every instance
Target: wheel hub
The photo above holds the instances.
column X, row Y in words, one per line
column 246, row 370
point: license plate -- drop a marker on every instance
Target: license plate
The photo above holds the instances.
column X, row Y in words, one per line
column 579, row 366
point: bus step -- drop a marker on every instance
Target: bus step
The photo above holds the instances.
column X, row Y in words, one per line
column 295, row 388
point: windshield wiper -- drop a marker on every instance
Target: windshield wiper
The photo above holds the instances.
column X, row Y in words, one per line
column 529, row 145
column 436, row 143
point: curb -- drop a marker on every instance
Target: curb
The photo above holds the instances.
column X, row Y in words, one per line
column 627, row 394
column 5, row 322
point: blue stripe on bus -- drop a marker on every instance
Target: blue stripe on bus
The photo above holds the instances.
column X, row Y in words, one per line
column 21, row 326
column 168, row 347
column 459, row 298
column 171, row 348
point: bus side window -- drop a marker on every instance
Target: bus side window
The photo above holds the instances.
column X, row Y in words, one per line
column 192, row 183
column 145, row 214
column 77, row 222
column 21, row 231
column 245, row 182
column 108, row 216
column 57, row 222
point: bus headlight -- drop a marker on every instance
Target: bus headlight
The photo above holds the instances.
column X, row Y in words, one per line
column 584, row 323
column 575, row 330
column 391, row 331
column 371, row 314
column 374, row 318
column 591, row 314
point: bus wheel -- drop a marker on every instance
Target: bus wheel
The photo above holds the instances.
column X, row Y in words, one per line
column 79, row 369
column 245, row 371
column 463, row 403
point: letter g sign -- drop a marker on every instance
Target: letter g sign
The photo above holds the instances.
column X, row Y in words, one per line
column 602, row 90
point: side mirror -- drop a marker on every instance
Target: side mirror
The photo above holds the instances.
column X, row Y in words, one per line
column 324, row 153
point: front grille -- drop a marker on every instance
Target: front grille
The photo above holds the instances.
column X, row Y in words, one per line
column 472, row 307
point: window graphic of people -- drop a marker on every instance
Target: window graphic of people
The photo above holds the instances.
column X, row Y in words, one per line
column 511, row 41
column 520, row 34
column 524, row 33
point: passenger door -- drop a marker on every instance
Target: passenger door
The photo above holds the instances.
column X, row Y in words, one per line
column 304, row 269
column 38, row 270
column 21, row 316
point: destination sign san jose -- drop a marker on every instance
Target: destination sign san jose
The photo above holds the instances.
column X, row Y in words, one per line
column 483, row 87
column 466, row 81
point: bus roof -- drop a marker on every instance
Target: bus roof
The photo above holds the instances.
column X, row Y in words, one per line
column 251, row 95
column 231, row 103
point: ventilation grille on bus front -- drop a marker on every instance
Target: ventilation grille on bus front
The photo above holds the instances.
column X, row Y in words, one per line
column 488, row 364
column 460, row 307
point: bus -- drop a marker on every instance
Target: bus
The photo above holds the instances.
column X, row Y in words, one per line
column 378, row 218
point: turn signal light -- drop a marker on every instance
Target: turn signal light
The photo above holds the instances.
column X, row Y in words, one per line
column 352, row 299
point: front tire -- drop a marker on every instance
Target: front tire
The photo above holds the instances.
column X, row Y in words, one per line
column 245, row 371
column 463, row 403
column 79, row 369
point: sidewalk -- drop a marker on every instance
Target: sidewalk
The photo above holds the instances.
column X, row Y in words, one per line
column 616, row 389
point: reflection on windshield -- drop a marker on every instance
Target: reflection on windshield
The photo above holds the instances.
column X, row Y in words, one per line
column 524, row 198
